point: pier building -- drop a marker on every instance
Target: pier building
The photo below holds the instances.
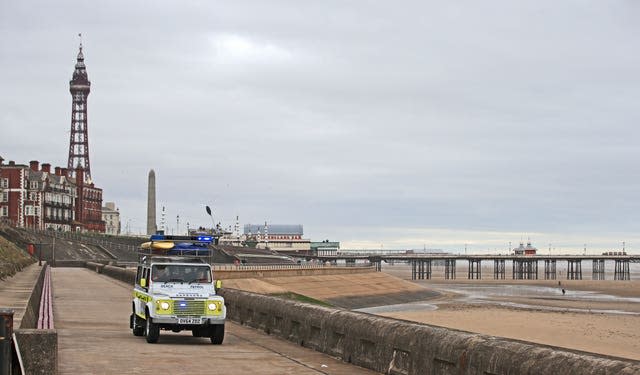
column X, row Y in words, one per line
column 284, row 238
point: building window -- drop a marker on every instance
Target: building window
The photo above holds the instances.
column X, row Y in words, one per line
column 28, row 210
column 5, row 196
column 4, row 211
column 4, row 183
column 34, row 184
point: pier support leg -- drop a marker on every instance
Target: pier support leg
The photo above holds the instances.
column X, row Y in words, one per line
column 420, row 269
column 598, row 269
column 549, row 269
column 475, row 269
column 498, row 269
column 531, row 271
column 449, row 269
column 622, row 270
column 574, row 269
column 518, row 269
column 413, row 269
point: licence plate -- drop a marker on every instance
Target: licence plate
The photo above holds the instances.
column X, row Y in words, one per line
column 189, row 320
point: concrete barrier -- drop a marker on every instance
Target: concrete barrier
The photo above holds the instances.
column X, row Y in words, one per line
column 39, row 350
column 31, row 312
column 118, row 273
column 393, row 346
column 262, row 271
column 38, row 347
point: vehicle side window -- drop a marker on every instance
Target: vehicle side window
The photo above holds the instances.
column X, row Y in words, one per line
column 138, row 275
column 145, row 275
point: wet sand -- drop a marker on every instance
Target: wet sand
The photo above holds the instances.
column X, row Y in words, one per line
column 594, row 316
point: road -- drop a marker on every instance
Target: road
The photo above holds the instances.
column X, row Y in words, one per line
column 91, row 314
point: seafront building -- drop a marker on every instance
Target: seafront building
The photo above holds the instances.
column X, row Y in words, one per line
column 283, row 238
column 32, row 196
column 111, row 218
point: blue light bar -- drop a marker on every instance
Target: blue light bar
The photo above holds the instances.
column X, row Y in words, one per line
column 162, row 237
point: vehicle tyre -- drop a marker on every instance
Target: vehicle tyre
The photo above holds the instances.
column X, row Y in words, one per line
column 217, row 334
column 137, row 325
column 152, row 331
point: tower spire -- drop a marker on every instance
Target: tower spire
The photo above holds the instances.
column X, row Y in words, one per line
column 79, row 87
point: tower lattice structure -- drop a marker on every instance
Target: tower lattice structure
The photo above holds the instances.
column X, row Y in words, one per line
column 79, row 86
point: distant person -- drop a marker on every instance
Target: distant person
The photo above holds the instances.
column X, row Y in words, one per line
column 563, row 291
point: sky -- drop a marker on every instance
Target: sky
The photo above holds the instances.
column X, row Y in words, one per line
column 383, row 125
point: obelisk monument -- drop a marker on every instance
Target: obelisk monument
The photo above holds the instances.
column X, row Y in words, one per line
column 151, row 204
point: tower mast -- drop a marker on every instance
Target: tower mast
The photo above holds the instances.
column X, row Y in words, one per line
column 79, row 86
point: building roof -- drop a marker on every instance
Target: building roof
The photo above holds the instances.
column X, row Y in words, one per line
column 292, row 229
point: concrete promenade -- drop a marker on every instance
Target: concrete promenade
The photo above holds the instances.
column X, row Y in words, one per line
column 92, row 319
column 16, row 291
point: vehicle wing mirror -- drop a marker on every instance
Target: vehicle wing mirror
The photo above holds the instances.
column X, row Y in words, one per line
column 143, row 283
column 218, row 284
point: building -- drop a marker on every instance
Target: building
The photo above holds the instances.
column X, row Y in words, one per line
column 522, row 250
column 88, row 205
column 279, row 237
column 34, row 197
column 111, row 218
column 325, row 248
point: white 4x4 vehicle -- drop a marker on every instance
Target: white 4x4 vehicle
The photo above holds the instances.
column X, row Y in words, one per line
column 176, row 293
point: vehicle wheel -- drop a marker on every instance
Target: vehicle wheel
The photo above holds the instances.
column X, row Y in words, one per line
column 138, row 325
column 217, row 334
column 152, row 331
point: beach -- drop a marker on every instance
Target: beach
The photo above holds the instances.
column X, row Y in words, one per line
column 595, row 316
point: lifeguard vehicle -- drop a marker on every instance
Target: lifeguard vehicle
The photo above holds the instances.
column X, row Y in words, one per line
column 175, row 289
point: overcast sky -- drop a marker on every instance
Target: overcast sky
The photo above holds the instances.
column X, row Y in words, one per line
column 377, row 124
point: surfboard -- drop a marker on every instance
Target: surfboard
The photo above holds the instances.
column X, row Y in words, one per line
column 158, row 245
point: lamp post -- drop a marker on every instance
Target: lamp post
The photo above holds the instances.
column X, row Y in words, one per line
column 213, row 224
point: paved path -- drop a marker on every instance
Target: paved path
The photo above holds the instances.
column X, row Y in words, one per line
column 91, row 314
column 15, row 291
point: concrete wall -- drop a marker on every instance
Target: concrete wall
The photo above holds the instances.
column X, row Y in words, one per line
column 39, row 350
column 260, row 273
column 393, row 346
column 30, row 317
column 38, row 347
column 126, row 275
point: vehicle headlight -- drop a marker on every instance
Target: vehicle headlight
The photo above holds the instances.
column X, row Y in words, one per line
column 164, row 305
column 212, row 306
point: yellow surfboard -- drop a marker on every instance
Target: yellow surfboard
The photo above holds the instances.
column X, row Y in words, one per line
column 158, row 245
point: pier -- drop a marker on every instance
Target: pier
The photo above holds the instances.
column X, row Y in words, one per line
column 523, row 267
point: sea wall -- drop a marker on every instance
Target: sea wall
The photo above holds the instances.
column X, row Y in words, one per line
column 393, row 346
column 253, row 272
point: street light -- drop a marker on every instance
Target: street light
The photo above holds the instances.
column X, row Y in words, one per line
column 213, row 227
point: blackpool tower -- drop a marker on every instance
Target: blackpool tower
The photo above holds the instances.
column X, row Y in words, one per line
column 79, row 86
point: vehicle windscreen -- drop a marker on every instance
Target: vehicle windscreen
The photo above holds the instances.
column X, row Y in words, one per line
column 180, row 273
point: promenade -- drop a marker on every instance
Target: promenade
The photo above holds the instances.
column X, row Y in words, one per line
column 92, row 319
